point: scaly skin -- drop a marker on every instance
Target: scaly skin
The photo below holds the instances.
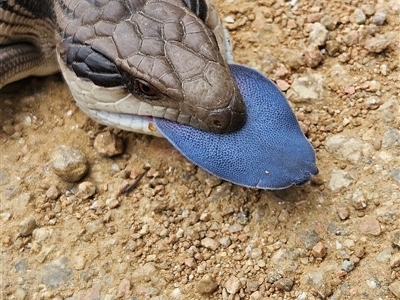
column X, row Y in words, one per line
column 144, row 57
column 157, row 58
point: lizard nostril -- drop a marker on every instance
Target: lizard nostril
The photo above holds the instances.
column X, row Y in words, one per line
column 216, row 124
column 218, row 121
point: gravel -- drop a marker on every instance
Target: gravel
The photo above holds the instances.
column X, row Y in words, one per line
column 284, row 284
column 27, row 226
column 181, row 233
column 233, row 285
column 206, row 285
column 339, row 179
column 57, row 273
column 108, row 144
column 394, row 287
column 370, row 226
column 69, row 163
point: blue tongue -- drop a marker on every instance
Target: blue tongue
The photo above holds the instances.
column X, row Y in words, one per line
column 269, row 152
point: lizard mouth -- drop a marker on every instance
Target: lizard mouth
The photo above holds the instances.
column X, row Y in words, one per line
column 269, row 152
column 130, row 122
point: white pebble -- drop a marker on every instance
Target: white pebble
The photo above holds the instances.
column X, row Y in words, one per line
column 229, row 19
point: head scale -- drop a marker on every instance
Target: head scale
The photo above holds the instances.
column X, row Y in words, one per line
column 160, row 52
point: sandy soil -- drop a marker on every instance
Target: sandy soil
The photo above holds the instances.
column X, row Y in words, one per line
column 184, row 234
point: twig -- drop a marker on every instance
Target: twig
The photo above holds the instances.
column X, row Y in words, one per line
column 129, row 187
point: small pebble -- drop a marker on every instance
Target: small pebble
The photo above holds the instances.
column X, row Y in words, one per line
column 229, row 19
column 348, row 265
column 256, row 253
column 384, row 255
column 395, row 260
column 329, row 22
column 373, row 86
column 256, row 296
column 233, row 285
column 151, row 257
column 52, row 193
column 86, row 190
column 350, row 90
column 20, row 294
column 313, row 57
column 359, row 251
column 339, row 179
column 8, row 129
column 108, row 144
column 112, row 203
column 358, row 16
column 79, row 262
column 57, row 273
column 319, row 250
column 124, row 288
column 69, row 163
column 176, row 293
column 212, row 181
column 358, row 200
column 354, row 259
column 376, row 44
column 368, row 9
column 41, row 234
column 384, row 70
column 205, row 217
column 220, row 191
column 315, row 17
column 22, row 265
column 235, row 228
column 284, row 284
column 252, row 285
column 144, row 272
column 243, row 217
column 5, row 216
column 394, row 287
column 370, row 226
column 3, row 177
column 114, row 168
column 273, row 276
column 332, row 47
column 261, row 263
column 282, row 85
column 379, row 18
column 396, row 238
column 27, row 226
column 372, row 103
column 243, row 237
column 210, row 243
column 190, row 262
column 306, row 88
column 391, row 138
column 309, row 238
column 225, row 241
column 206, row 285
column 343, row 213
column 351, row 38
column 94, row 226
column 318, row 35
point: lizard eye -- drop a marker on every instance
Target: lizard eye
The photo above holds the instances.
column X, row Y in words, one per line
column 146, row 88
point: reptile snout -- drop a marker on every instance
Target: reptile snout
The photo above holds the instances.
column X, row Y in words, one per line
column 228, row 119
column 214, row 100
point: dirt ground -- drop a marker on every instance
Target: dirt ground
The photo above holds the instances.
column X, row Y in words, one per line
column 184, row 234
